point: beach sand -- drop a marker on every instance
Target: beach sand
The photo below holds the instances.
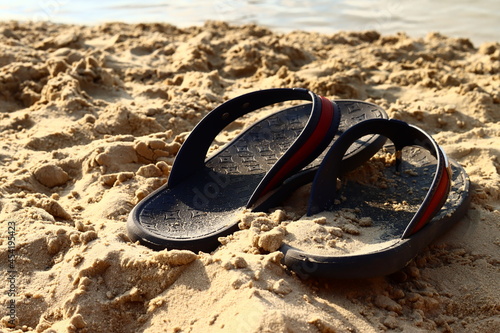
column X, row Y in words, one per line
column 91, row 119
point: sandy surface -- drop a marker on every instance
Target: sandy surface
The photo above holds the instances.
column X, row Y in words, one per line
column 92, row 117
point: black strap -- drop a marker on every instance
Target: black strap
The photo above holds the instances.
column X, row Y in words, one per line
column 402, row 135
column 191, row 157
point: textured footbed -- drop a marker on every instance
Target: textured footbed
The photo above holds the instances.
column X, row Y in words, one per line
column 390, row 200
column 393, row 207
column 208, row 202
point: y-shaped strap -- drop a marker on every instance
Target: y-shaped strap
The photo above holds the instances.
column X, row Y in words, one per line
column 402, row 135
column 316, row 135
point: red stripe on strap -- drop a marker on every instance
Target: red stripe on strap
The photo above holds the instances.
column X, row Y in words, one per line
column 436, row 201
column 324, row 123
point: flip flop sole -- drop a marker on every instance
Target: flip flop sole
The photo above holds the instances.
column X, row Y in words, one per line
column 390, row 209
column 206, row 206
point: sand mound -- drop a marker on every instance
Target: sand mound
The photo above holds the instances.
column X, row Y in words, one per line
column 92, row 117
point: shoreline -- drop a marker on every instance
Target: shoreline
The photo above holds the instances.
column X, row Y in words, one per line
column 476, row 41
column 476, row 21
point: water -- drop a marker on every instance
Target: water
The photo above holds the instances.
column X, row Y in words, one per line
column 477, row 20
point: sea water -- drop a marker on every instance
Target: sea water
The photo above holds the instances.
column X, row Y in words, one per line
column 477, row 20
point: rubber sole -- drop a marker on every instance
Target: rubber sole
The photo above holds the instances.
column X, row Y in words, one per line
column 193, row 216
column 388, row 252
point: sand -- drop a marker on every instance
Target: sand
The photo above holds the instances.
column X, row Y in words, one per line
column 92, row 117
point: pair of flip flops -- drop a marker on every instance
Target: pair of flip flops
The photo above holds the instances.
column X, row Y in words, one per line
column 315, row 142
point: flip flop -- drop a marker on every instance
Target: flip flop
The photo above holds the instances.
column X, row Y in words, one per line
column 203, row 197
column 400, row 232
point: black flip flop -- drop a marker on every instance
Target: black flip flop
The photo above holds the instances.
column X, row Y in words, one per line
column 404, row 233
column 203, row 196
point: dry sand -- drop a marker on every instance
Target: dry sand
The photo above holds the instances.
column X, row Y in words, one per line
column 92, row 117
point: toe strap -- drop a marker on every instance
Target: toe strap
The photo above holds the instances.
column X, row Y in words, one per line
column 316, row 135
